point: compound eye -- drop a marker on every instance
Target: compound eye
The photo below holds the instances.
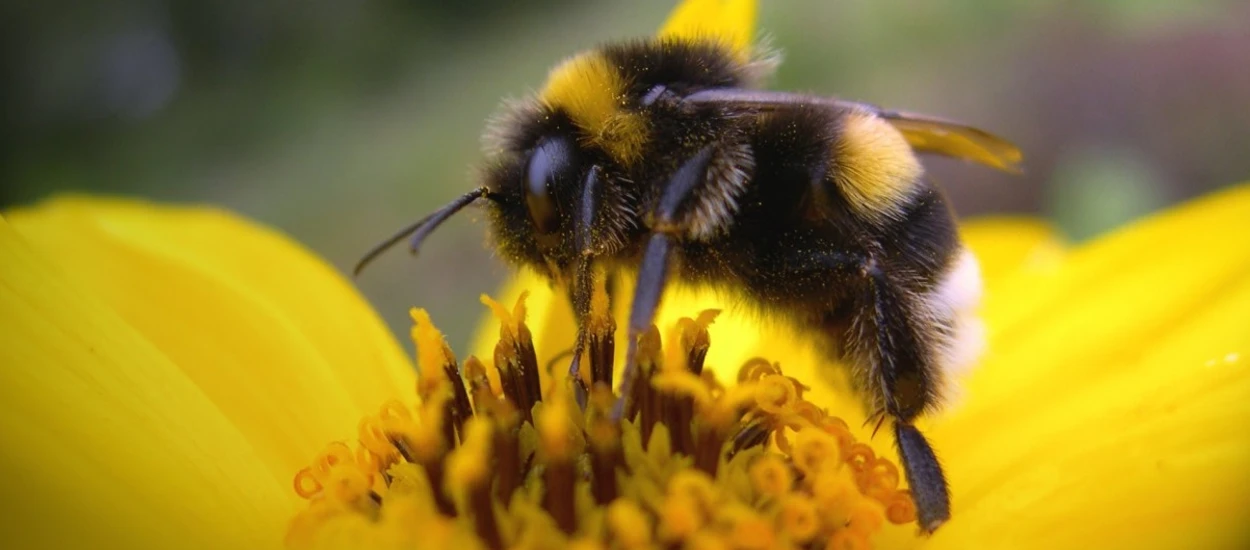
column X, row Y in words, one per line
column 549, row 164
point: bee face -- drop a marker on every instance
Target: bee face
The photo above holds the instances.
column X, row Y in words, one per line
column 535, row 188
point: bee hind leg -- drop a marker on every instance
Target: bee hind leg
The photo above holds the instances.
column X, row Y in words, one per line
column 882, row 328
column 924, row 476
column 891, row 339
column 877, row 419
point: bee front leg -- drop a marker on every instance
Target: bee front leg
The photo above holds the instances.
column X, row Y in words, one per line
column 583, row 275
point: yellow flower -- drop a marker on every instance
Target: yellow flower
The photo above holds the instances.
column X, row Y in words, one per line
column 169, row 371
column 180, row 378
column 165, row 371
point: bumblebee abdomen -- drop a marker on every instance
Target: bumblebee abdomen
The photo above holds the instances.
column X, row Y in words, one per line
column 839, row 232
column 873, row 166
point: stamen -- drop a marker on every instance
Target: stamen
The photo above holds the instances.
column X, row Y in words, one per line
column 771, row 477
column 468, row 470
column 901, row 510
column 480, row 391
column 686, row 357
column 433, row 353
column 847, row 539
column 554, row 442
column 600, row 336
column 645, row 403
column 508, row 470
column 605, row 458
column 797, row 518
column 513, row 462
column 629, row 524
column 515, row 358
column 750, row 529
column 751, row 435
column 690, row 502
column 306, row 484
column 776, row 395
column 813, row 451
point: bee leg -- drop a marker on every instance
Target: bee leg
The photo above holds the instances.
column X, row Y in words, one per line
column 666, row 225
column 905, row 376
column 583, row 277
column 566, row 353
column 583, row 285
column 878, row 418
column 924, row 476
column 652, row 276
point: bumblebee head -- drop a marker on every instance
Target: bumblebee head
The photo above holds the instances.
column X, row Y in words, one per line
column 536, row 191
column 564, row 168
column 603, row 124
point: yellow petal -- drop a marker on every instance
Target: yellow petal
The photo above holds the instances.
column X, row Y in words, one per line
column 289, row 351
column 1154, row 457
column 1121, row 293
column 730, row 22
column 1006, row 246
column 107, row 443
column 1120, row 401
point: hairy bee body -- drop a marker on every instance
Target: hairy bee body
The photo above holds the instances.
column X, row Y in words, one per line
column 818, row 214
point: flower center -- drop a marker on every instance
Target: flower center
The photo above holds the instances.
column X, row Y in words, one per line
column 520, row 458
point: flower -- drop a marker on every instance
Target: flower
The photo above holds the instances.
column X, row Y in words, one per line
column 166, row 370
column 162, row 386
column 531, row 459
column 180, row 378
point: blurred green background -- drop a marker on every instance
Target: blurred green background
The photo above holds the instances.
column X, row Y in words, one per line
column 339, row 121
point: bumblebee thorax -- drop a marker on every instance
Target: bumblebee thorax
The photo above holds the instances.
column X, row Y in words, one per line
column 593, row 94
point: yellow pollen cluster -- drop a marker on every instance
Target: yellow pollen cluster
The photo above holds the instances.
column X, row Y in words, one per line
column 528, row 460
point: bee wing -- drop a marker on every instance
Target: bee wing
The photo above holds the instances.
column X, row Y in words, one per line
column 953, row 139
column 926, row 134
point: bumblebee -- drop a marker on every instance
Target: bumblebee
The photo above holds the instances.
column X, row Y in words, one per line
column 662, row 157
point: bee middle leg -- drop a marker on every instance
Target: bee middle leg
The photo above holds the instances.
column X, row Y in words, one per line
column 669, row 221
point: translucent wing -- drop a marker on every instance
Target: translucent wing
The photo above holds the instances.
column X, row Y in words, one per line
column 953, row 139
column 924, row 133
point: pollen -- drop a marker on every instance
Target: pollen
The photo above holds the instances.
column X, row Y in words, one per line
column 498, row 454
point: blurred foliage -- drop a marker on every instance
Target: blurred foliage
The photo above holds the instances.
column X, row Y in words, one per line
column 339, row 121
